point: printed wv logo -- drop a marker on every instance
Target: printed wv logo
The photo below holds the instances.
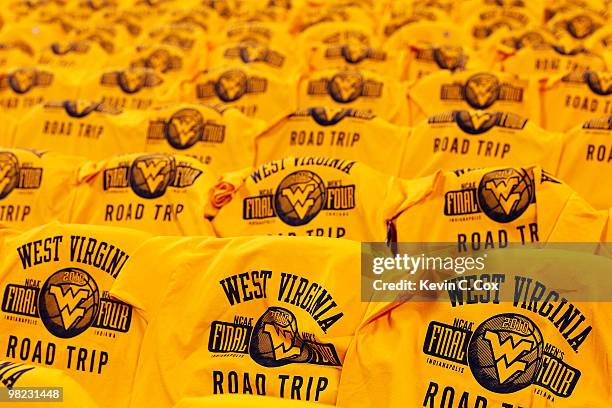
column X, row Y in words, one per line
column 479, row 118
column 186, row 129
column 502, row 189
column 4, row 180
column 605, row 81
column 481, row 90
column 282, row 341
column 506, row 353
column 299, row 198
column 151, row 173
column 68, row 302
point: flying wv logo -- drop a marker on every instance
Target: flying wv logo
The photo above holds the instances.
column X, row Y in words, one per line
column 506, row 354
column 151, row 173
column 68, row 302
column 502, row 190
column 300, row 198
column 282, row 341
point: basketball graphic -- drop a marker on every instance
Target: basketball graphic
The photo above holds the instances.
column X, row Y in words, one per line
column 159, row 60
column 354, row 53
column 151, row 175
column 481, row 90
column 253, row 52
column 231, row 85
column 9, row 173
column 184, row 128
column 276, row 341
column 299, row 198
column 581, row 26
column 504, row 195
column 68, row 302
column 80, row 108
column 327, row 116
column 505, row 353
column 345, row 87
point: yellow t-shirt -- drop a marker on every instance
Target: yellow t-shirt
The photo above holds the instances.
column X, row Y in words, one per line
column 472, row 139
column 23, row 88
column 318, row 18
column 399, row 14
column 269, row 33
column 533, row 342
column 357, row 89
column 169, row 60
column 14, row 375
column 274, row 325
column 342, row 133
column 161, row 193
column 334, row 33
column 56, row 311
column 444, row 91
column 489, row 208
column 485, row 21
column 258, row 94
column 312, row 196
column 587, row 161
column 353, row 55
column 505, row 42
column 572, row 99
column 34, row 187
column 222, row 138
column 89, row 129
column 548, row 60
column 126, row 89
column 574, row 27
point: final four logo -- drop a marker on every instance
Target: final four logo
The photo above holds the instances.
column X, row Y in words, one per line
column 345, row 87
column 482, row 90
column 132, row 80
column 506, row 353
column 231, row 86
column 250, row 52
column 15, row 176
column 23, row 80
column 150, row 176
column 502, row 195
column 185, row 128
column 299, row 198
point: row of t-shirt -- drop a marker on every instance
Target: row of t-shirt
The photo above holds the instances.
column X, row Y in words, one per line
column 169, row 194
column 119, row 318
column 557, row 103
column 224, row 140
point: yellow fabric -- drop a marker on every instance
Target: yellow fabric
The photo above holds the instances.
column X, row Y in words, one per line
column 250, row 312
column 487, row 20
column 258, row 94
column 574, row 27
column 473, row 139
column 266, row 33
column 34, row 187
column 23, row 88
column 161, row 193
column 362, row 90
column 428, row 32
column 544, row 353
column 29, row 376
column 572, row 99
column 126, row 89
column 549, row 60
column 443, row 91
column 587, row 161
column 73, row 55
column 224, row 139
column 343, row 133
column 484, row 208
column 8, row 124
column 164, row 59
column 311, row 196
column 84, row 128
column 56, row 310
column 331, row 33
